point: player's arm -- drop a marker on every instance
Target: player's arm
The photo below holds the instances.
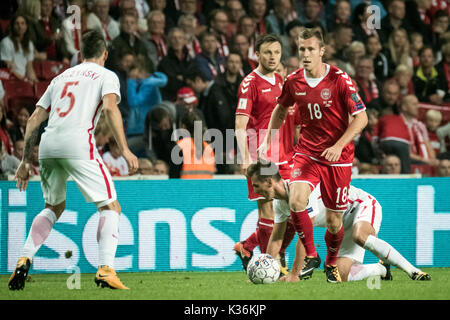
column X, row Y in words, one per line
column 241, row 138
column 356, row 126
column 276, row 120
column 114, row 120
column 30, row 140
column 276, row 238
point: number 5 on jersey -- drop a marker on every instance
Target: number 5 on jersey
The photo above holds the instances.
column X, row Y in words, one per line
column 67, row 93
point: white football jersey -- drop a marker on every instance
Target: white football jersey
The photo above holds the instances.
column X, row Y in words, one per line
column 74, row 101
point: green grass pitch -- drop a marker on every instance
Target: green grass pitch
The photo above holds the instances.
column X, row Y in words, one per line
column 228, row 286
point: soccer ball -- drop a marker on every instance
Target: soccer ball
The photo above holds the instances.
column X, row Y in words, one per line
column 263, row 269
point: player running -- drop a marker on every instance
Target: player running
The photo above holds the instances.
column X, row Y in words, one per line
column 72, row 104
column 362, row 221
column 257, row 97
column 326, row 97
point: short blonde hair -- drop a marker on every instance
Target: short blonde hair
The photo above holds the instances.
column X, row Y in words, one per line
column 434, row 114
column 403, row 68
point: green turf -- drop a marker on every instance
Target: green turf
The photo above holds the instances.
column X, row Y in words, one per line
column 230, row 286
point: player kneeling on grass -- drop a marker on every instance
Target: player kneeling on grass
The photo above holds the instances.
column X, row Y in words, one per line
column 361, row 220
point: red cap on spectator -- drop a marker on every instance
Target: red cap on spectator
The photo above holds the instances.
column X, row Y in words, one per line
column 187, row 94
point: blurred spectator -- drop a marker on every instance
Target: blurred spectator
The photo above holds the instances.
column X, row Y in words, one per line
column 198, row 82
column 360, row 23
column 398, row 51
column 247, row 27
column 443, row 169
column 391, row 164
column 187, row 23
column 289, row 41
column 218, row 25
column 19, row 146
column 365, row 149
column 145, row 167
column 330, row 46
column 235, row 12
column 102, row 134
column 394, row 19
column 433, row 121
column 444, row 136
column 114, row 161
column 368, row 86
column 9, row 163
column 127, row 39
column 340, row 15
column 47, row 35
column 72, row 32
column 156, row 21
column 99, row 19
column 292, row 64
column 403, row 76
column 175, row 64
column 312, row 11
column 241, row 45
column 17, row 50
column 443, row 68
column 125, row 61
column 190, row 7
column 421, row 150
column 429, row 84
column 159, row 125
column 161, row 5
column 35, row 169
column 193, row 158
column 124, row 7
column 387, row 103
column 209, row 61
column 342, row 38
column 281, row 70
column 257, row 10
column 380, row 62
column 283, row 12
column 4, row 135
column 186, row 102
column 160, row 168
column 143, row 95
column 352, row 54
column 17, row 131
column 415, row 46
column 367, row 168
column 439, row 26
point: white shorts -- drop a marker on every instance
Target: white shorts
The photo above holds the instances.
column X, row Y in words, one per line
column 369, row 211
column 91, row 176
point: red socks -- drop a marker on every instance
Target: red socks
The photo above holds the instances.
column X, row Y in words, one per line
column 333, row 242
column 288, row 236
column 303, row 226
column 264, row 231
column 251, row 242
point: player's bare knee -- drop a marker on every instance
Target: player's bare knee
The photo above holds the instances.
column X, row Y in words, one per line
column 57, row 209
column 297, row 205
column 359, row 238
column 114, row 206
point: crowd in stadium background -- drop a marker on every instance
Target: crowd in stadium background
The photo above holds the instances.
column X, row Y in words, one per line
column 189, row 56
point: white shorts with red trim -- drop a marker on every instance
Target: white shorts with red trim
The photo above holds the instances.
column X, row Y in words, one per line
column 91, row 176
column 368, row 210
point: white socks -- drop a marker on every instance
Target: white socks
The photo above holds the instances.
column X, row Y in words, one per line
column 40, row 229
column 107, row 237
column 387, row 253
column 363, row 271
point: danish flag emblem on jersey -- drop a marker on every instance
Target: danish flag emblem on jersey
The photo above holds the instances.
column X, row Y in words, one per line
column 325, row 94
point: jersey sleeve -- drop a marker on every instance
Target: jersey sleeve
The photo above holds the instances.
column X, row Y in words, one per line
column 246, row 96
column 350, row 96
column 111, row 84
column 45, row 101
column 286, row 98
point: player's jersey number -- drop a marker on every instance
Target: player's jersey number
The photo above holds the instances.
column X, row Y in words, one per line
column 314, row 111
column 68, row 94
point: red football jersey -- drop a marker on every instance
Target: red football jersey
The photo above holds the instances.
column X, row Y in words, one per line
column 257, row 97
column 324, row 111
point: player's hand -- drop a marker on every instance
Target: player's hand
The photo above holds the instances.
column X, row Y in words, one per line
column 332, row 154
column 290, row 278
column 132, row 161
column 22, row 176
column 262, row 150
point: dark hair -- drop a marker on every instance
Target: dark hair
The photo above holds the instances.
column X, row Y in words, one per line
column 424, row 48
column 25, row 43
column 193, row 73
column 93, row 44
column 358, row 11
column 213, row 13
column 308, row 33
column 440, row 13
column 205, row 34
column 266, row 38
column 263, row 171
column 188, row 121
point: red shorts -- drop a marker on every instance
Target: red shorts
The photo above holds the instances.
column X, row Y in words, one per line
column 334, row 180
column 284, row 170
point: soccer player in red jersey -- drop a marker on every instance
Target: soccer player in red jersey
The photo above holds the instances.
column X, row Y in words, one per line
column 257, row 97
column 332, row 114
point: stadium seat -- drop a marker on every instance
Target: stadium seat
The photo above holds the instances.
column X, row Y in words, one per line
column 17, row 94
column 4, row 25
column 444, row 109
column 47, row 70
column 424, row 169
column 4, row 74
column 40, row 87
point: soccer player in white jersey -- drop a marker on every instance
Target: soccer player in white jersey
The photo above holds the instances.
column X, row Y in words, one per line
column 72, row 104
column 362, row 221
